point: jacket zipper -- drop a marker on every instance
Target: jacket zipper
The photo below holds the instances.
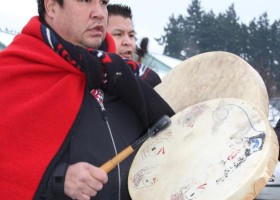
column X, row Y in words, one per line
column 103, row 110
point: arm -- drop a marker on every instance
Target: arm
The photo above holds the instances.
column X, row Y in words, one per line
column 78, row 181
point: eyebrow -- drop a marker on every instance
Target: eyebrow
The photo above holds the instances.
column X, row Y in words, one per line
column 121, row 30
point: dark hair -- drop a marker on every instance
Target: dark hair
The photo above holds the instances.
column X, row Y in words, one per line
column 42, row 9
column 119, row 9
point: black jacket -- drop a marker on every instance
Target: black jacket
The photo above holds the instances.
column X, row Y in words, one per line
column 128, row 114
column 96, row 136
column 89, row 141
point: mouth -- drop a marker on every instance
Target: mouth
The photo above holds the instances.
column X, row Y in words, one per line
column 96, row 30
column 127, row 54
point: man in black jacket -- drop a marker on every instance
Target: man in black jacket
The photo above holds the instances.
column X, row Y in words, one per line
column 67, row 107
column 121, row 27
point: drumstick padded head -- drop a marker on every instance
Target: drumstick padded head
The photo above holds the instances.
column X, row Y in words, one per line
column 161, row 124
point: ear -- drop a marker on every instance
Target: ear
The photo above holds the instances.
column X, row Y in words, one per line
column 50, row 7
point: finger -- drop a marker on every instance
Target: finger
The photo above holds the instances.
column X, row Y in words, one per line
column 89, row 191
column 80, row 196
column 95, row 184
column 84, row 197
column 99, row 174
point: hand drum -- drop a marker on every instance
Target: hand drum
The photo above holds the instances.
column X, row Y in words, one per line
column 217, row 149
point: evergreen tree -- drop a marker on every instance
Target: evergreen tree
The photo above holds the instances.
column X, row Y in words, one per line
column 193, row 29
column 229, row 30
column 209, row 35
column 275, row 56
column 244, row 41
column 197, row 32
column 174, row 37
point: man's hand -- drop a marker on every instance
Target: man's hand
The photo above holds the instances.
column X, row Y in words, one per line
column 83, row 181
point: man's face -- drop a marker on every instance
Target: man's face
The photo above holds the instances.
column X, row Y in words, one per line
column 80, row 22
column 123, row 33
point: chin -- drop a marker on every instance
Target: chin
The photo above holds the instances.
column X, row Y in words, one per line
column 94, row 44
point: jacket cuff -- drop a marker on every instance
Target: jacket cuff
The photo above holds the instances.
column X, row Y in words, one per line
column 57, row 180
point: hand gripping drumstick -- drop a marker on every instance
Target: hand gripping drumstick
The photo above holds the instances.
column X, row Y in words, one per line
column 158, row 126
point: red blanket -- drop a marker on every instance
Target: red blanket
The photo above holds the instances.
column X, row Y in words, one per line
column 40, row 97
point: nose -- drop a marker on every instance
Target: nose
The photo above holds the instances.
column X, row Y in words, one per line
column 98, row 11
column 127, row 40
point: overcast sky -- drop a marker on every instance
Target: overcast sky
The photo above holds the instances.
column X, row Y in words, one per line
column 150, row 16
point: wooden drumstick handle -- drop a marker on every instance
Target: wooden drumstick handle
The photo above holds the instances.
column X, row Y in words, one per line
column 158, row 126
column 111, row 164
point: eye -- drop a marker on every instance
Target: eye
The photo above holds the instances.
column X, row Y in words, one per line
column 117, row 34
column 104, row 2
column 132, row 36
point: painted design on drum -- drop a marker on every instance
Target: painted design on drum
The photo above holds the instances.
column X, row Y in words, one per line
column 144, row 178
column 188, row 192
column 240, row 148
column 156, row 146
column 189, row 119
column 193, row 188
column 239, row 154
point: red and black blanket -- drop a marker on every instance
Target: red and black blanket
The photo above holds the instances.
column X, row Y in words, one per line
column 38, row 104
column 41, row 95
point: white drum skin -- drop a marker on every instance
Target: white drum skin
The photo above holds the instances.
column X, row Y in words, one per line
column 213, row 75
column 218, row 149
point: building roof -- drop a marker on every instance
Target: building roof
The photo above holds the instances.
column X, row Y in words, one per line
column 170, row 61
column 161, row 64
